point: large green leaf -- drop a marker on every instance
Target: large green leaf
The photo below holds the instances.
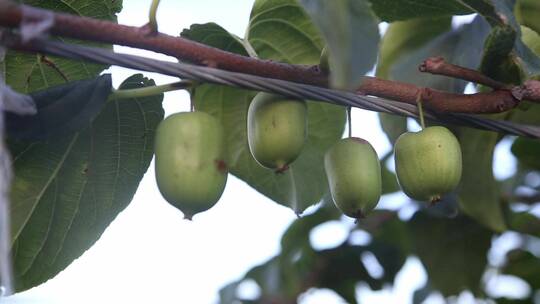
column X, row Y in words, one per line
column 524, row 222
column 452, row 250
column 524, row 265
column 463, row 46
column 394, row 10
column 31, row 72
column 528, row 13
column 61, row 110
column 68, row 189
column 400, row 40
column 497, row 60
column 281, row 30
column 403, row 37
column 485, row 8
column 531, row 39
column 527, row 151
column 479, row 193
column 500, row 14
column 305, row 182
column 352, row 35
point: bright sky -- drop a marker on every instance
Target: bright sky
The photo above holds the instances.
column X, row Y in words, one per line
column 149, row 254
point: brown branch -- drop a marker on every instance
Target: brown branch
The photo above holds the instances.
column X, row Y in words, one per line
column 438, row 66
column 530, row 90
column 12, row 15
column 492, row 102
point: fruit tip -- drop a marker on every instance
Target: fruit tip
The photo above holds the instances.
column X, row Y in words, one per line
column 358, row 215
column 434, row 200
column 188, row 217
column 281, row 169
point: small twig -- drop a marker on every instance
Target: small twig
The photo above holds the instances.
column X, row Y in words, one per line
column 150, row 91
column 420, row 110
column 152, row 18
column 438, row 66
column 479, row 103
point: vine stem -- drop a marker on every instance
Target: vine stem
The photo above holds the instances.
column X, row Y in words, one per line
column 150, row 91
column 152, row 18
column 420, row 110
column 349, row 120
column 439, row 66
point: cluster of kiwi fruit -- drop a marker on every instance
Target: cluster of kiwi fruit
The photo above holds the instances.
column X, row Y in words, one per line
column 191, row 169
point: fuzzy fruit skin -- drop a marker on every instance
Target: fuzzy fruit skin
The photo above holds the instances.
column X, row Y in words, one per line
column 276, row 129
column 354, row 176
column 428, row 163
column 191, row 172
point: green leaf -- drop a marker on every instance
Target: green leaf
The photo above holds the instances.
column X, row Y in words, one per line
column 524, row 265
column 531, row 39
column 352, row 35
column 497, row 61
column 527, row 150
column 61, row 110
column 304, row 183
column 527, row 13
column 388, row 178
column 479, row 192
column 31, row 72
column 467, row 39
column 395, row 10
column 401, row 39
column 281, row 30
column 485, row 8
column 99, row 9
column 524, row 222
column 528, row 113
column 67, row 190
column 453, row 251
column 393, row 126
column 500, row 13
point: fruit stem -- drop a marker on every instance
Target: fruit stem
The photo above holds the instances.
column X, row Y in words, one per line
column 420, row 110
column 349, row 119
column 150, row 91
column 152, row 17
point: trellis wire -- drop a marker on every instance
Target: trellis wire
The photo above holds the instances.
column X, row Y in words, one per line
column 286, row 88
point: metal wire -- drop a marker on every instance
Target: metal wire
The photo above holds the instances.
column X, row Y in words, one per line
column 286, row 88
